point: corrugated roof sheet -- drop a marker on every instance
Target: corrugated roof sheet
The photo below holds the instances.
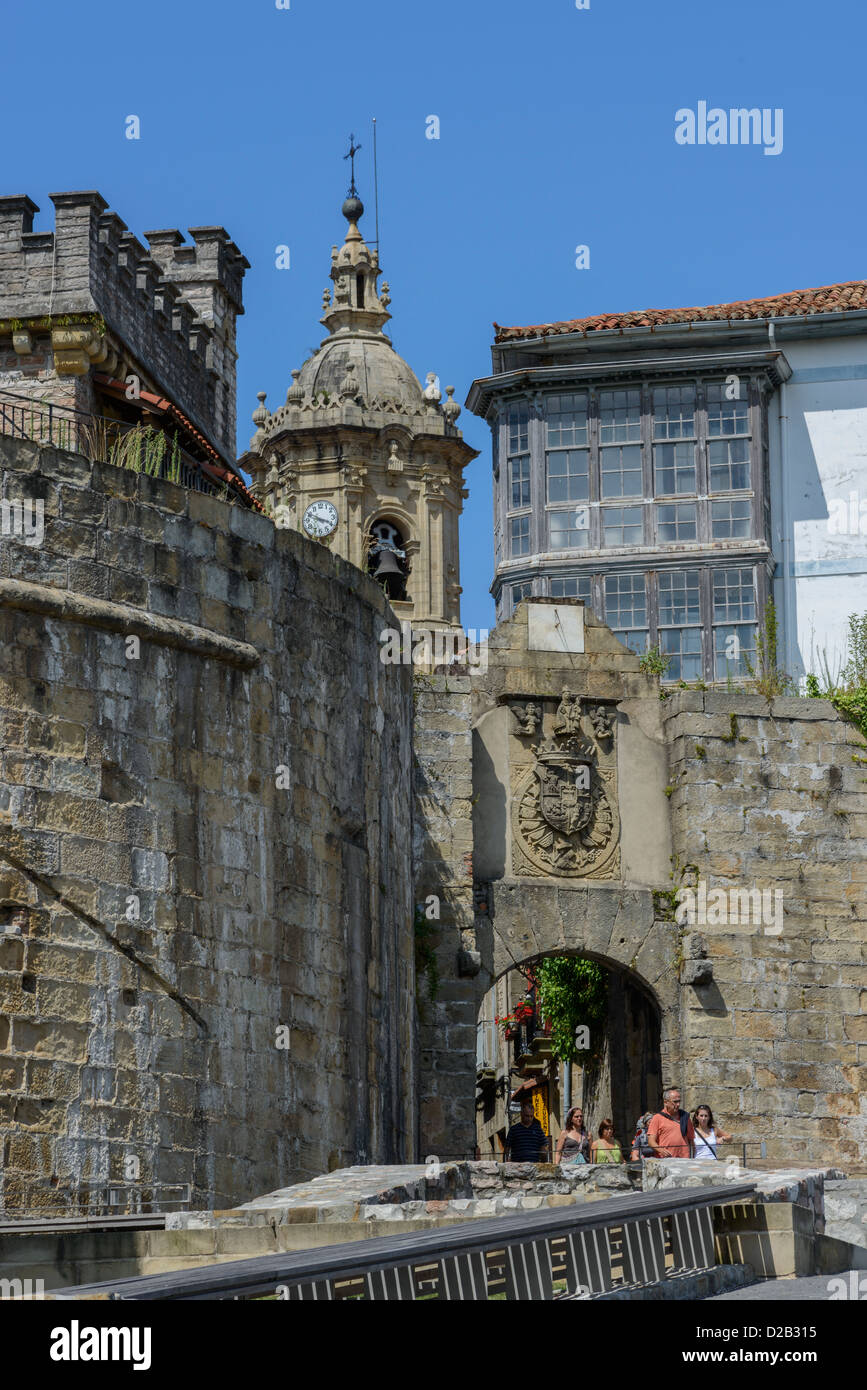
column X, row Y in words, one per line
column 827, row 299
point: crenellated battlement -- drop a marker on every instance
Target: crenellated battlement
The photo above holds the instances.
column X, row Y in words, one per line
column 169, row 308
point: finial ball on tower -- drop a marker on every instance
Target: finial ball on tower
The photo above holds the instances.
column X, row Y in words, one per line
column 353, row 209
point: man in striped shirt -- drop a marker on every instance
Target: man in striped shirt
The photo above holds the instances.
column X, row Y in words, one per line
column 526, row 1141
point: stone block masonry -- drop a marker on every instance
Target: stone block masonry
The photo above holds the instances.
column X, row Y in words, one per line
column 443, row 866
column 774, row 798
column 90, row 298
column 205, row 838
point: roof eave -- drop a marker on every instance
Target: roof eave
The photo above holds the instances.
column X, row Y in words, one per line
column 708, row 326
column 483, row 389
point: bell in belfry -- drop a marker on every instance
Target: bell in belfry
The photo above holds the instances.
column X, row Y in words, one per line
column 388, row 570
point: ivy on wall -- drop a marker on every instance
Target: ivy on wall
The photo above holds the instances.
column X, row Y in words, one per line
column 425, row 956
column 573, row 993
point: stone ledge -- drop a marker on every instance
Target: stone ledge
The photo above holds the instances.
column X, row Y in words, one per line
column 798, row 1186
column 120, row 617
column 748, row 706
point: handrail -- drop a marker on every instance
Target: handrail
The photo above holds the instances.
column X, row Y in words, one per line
column 65, row 1225
column 66, row 427
column 515, row 1252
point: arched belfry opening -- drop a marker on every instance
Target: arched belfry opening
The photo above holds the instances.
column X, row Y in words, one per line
column 387, row 560
column 520, row 1046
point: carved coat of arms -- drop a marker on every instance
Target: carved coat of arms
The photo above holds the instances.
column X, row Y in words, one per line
column 564, row 820
column 565, row 799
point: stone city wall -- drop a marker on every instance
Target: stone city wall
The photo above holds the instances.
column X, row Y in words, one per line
column 763, row 1020
column 773, row 798
column 204, row 837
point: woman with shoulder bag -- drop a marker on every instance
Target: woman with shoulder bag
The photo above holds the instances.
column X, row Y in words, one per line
column 707, row 1136
column 573, row 1146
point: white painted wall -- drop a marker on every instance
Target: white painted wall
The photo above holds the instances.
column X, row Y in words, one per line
column 818, row 460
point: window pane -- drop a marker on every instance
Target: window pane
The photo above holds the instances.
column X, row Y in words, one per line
column 621, row 471
column 727, row 416
column 676, row 521
column 637, row 641
column 569, row 529
column 520, row 591
column 578, row 587
column 730, row 520
column 734, row 597
column 622, row 526
column 569, row 475
column 519, row 473
column 519, row 532
column 674, row 412
column 566, row 420
column 675, row 468
column 731, row 646
column 679, row 596
column 729, row 464
column 619, row 417
column 625, row 601
column 519, row 429
column 683, row 645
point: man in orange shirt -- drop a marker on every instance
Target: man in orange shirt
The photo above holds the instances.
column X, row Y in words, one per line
column 671, row 1133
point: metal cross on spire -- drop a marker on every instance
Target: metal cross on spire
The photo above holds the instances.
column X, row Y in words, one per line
column 353, row 151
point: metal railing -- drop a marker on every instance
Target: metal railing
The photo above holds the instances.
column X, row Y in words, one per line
column 106, row 440
column 586, row 1250
column 526, row 1034
column 106, row 1198
column 67, row 1225
column 727, row 1152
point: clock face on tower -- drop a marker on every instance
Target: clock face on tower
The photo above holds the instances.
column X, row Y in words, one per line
column 320, row 518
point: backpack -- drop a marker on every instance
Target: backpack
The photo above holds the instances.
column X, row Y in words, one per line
column 642, row 1145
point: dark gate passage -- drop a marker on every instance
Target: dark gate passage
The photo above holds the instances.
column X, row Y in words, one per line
column 515, row 1057
column 634, row 1062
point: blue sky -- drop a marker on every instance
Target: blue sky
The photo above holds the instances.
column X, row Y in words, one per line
column 557, row 129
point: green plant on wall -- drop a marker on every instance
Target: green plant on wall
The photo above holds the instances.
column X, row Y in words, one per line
column 848, row 693
column 425, row 955
column 767, row 676
column 654, row 662
column 573, row 992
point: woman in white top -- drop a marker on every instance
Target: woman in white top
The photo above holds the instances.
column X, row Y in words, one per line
column 707, row 1137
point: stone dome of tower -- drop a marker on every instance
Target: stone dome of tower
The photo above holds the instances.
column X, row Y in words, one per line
column 380, row 372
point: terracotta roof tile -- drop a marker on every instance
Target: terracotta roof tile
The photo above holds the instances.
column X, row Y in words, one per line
column 826, row 299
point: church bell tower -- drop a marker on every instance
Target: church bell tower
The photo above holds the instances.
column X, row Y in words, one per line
column 360, row 456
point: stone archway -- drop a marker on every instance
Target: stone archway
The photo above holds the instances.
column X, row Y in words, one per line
column 617, row 926
column 624, row 1080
